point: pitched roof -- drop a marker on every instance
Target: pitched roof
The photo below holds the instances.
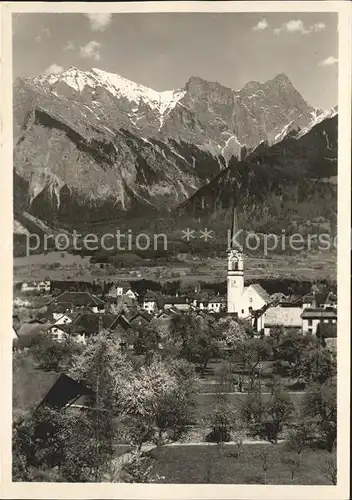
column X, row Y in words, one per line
column 317, row 313
column 331, row 298
column 260, row 291
column 65, row 391
column 327, row 330
column 77, row 299
column 218, row 300
column 283, row 316
column 175, row 300
column 125, row 284
column 202, row 296
column 319, row 298
column 88, row 323
column 152, row 296
column 121, row 321
column 61, row 307
column 170, row 313
column 141, row 315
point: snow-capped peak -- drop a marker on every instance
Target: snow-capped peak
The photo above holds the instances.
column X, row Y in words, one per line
column 317, row 117
column 117, row 85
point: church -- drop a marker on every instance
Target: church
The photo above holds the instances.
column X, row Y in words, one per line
column 241, row 300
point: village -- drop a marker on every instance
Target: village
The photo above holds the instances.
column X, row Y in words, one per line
column 118, row 303
column 246, row 366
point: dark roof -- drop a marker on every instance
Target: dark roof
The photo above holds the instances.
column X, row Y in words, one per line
column 319, row 298
column 317, row 313
column 202, row 296
column 171, row 312
column 78, row 299
column 327, row 330
column 61, row 307
column 159, row 299
column 36, row 321
column 121, row 321
column 218, row 299
column 176, row 300
column 88, row 323
column 65, row 391
column 331, row 298
column 140, row 315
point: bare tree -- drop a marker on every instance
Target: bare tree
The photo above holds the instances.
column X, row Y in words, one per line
column 330, row 468
column 267, row 460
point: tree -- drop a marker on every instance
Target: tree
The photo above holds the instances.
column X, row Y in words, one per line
column 267, row 420
column 290, row 347
column 278, row 410
column 330, row 468
column 319, row 408
column 222, row 421
column 252, row 352
column 197, row 338
column 59, row 443
column 52, row 355
column 316, row 364
column 252, row 409
column 157, row 401
column 298, row 438
column 267, row 460
column 147, row 342
column 294, row 465
column 231, row 331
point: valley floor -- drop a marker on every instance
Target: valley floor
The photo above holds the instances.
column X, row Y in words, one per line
column 314, row 265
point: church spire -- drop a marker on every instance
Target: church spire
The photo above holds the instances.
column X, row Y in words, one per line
column 234, row 244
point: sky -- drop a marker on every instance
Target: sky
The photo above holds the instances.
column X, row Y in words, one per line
column 163, row 50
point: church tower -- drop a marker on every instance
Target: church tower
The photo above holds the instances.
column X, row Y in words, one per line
column 235, row 270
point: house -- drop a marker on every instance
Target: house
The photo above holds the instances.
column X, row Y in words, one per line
column 56, row 311
column 75, row 300
column 201, row 299
column 312, row 317
column 44, row 286
column 163, row 321
column 327, row 334
column 120, row 322
column 28, row 331
column 180, row 303
column 319, row 299
column 309, row 301
column 153, row 302
column 217, row 304
column 122, row 288
column 29, row 286
column 65, row 392
column 282, row 315
column 278, row 296
column 86, row 324
column 34, row 286
column 19, row 303
column 139, row 319
column 331, row 300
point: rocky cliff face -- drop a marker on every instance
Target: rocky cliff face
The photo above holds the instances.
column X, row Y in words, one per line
column 91, row 146
column 291, row 180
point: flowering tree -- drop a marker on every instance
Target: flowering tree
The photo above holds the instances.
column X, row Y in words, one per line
column 157, row 402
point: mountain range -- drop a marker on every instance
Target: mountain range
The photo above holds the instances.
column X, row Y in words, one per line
column 91, row 146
